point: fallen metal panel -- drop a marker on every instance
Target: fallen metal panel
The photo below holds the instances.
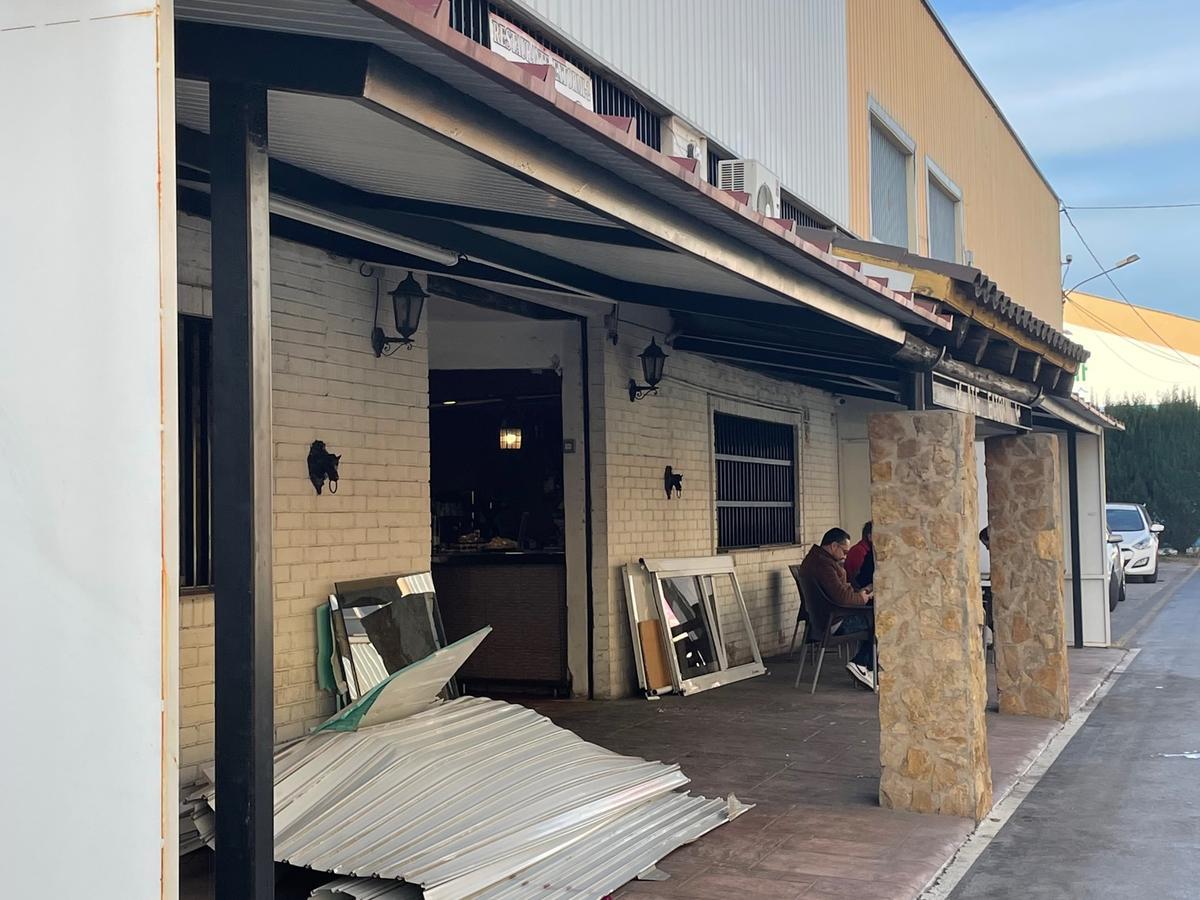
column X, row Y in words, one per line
column 367, row 889
column 610, row 856
column 476, row 798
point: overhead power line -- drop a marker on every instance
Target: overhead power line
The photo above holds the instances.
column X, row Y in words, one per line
column 1140, row 206
column 1105, row 325
column 1121, row 293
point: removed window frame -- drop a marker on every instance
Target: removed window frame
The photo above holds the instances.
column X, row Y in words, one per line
column 705, row 569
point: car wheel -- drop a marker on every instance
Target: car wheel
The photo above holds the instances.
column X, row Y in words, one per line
column 1121, row 596
column 1113, row 598
column 1152, row 577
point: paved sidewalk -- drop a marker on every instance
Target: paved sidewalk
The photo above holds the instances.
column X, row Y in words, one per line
column 810, row 763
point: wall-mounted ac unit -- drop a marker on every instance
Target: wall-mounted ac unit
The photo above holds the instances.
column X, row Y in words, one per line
column 683, row 140
column 751, row 177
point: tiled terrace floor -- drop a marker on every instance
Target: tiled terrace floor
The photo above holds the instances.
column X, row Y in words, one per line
column 810, row 763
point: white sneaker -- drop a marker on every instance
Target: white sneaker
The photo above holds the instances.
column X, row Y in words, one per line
column 862, row 675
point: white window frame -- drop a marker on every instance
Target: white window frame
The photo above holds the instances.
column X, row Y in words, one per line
column 946, row 183
column 878, row 117
column 705, row 569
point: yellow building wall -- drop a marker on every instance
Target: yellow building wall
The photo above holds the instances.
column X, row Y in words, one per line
column 898, row 56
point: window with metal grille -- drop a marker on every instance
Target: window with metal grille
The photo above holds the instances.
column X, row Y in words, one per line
column 195, row 392
column 714, row 167
column 890, row 200
column 756, row 482
column 943, row 222
column 801, row 215
column 472, row 18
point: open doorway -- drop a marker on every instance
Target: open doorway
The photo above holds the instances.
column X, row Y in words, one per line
column 507, row 495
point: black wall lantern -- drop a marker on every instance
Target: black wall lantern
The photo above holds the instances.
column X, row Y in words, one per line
column 652, row 371
column 407, row 302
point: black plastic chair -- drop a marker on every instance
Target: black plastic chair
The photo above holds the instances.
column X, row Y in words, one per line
column 824, row 616
column 811, row 640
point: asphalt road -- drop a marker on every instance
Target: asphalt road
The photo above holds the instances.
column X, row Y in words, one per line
column 1118, row 813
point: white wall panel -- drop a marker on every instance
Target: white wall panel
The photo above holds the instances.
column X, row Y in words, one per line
column 765, row 79
column 87, row 483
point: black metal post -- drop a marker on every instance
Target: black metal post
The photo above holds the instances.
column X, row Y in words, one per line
column 585, row 378
column 1076, row 573
column 241, row 492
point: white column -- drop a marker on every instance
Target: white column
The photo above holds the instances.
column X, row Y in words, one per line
column 1092, row 546
column 89, row 515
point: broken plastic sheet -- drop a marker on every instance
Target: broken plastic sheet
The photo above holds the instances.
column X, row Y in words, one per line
column 407, row 691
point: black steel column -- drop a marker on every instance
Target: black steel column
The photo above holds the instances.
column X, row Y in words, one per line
column 1076, row 573
column 241, row 491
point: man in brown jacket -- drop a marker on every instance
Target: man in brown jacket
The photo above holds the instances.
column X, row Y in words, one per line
column 825, row 564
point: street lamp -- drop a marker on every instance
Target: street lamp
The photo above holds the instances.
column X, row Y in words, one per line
column 1127, row 261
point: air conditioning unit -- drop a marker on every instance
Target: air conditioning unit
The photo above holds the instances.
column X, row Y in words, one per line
column 681, row 139
column 753, row 178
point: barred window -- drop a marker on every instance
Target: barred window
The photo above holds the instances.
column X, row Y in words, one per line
column 756, row 482
column 195, row 486
column 800, row 214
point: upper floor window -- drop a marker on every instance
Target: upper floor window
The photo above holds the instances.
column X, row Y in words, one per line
column 891, row 182
column 945, row 217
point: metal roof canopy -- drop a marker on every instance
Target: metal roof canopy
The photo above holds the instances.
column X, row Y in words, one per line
column 462, row 147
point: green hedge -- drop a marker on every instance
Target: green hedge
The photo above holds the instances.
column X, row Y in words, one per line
column 1156, row 461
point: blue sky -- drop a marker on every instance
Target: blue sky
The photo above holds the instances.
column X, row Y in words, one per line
column 1106, row 96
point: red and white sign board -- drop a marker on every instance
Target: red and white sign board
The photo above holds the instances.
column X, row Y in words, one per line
column 512, row 43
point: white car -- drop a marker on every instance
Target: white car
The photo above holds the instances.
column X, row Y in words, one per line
column 1115, row 571
column 1139, row 539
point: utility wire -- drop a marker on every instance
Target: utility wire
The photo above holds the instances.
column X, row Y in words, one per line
column 1113, row 329
column 1141, row 206
column 1121, row 293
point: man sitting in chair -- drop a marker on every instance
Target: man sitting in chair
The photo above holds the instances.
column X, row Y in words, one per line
column 826, row 566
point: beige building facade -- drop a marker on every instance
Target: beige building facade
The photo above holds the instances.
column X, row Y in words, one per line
column 915, row 102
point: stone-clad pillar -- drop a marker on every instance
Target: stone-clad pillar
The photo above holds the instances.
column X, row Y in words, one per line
column 1026, row 543
column 932, row 686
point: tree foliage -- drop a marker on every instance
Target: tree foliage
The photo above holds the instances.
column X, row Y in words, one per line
column 1156, row 462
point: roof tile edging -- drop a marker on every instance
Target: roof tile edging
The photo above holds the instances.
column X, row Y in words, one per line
column 435, row 28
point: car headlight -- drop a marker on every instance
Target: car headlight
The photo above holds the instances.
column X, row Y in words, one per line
column 1143, row 544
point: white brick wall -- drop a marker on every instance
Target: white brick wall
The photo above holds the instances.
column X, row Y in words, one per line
column 329, row 386
column 633, row 442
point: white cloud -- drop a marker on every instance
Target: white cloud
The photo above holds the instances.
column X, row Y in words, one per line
column 1076, row 77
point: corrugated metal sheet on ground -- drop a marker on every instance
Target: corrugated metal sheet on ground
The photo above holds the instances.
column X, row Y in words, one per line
column 614, row 853
column 477, row 797
column 472, row 798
